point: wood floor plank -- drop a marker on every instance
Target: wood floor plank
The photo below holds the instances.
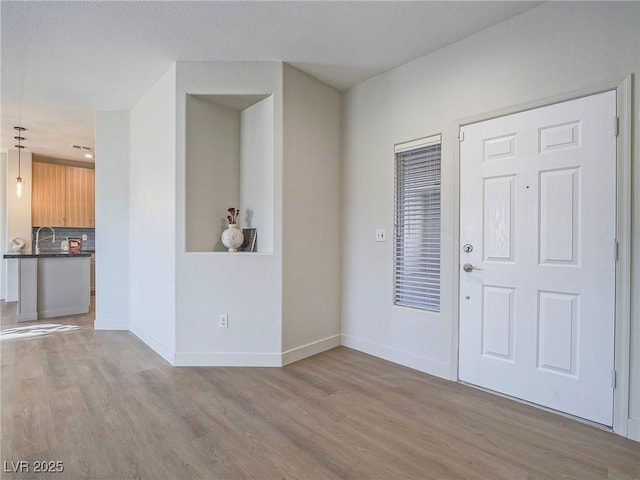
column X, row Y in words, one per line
column 110, row 408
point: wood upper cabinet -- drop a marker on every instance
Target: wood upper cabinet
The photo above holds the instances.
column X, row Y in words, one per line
column 62, row 196
column 79, row 197
column 48, row 194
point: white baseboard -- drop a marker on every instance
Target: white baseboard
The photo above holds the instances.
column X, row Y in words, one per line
column 417, row 362
column 27, row 317
column 153, row 343
column 633, row 429
column 63, row 312
column 230, row 359
column 310, row 349
column 11, row 298
column 243, row 359
column 107, row 324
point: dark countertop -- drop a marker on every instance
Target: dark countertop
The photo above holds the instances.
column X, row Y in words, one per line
column 50, row 254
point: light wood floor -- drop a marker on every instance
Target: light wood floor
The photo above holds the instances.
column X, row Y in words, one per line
column 110, row 408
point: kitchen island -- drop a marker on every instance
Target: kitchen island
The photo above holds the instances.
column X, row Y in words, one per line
column 52, row 284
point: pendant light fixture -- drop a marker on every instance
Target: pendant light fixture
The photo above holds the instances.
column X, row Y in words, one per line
column 19, row 146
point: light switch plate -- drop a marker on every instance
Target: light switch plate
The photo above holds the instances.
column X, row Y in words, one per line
column 381, row 235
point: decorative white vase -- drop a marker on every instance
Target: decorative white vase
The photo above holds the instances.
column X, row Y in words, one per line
column 17, row 244
column 232, row 237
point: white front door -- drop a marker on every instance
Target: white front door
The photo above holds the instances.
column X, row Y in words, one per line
column 537, row 225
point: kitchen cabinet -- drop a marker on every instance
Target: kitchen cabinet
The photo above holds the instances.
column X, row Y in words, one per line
column 48, row 194
column 52, row 284
column 79, row 197
column 62, row 196
column 93, row 273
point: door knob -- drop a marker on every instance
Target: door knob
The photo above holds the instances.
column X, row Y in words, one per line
column 467, row 267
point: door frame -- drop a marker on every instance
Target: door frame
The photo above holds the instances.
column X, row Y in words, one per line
column 621, row 422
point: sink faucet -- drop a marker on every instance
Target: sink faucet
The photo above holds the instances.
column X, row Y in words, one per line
column 52, row 237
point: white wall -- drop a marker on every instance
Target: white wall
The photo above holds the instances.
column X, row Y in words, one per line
column 18, row 218
column 152, row 216
column 312, row 215
column 3, row 224
column 553, row 50
column 246, row 286
column 212, row 171
column 112, row 220
column 256, row 172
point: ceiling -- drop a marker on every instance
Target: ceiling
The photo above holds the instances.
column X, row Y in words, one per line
column 63, row 60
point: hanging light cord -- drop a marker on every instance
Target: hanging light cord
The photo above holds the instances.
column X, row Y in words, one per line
column 19, row 137
column 19, row 146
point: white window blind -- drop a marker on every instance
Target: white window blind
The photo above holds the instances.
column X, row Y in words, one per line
column 417, row 224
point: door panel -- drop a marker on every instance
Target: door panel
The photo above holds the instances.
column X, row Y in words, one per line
column 497, row 321
column 559, row 216
column 498, row 218
column 558, row 331
column 538, row 206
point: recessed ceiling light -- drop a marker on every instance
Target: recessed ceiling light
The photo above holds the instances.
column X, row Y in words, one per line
column 88, row 155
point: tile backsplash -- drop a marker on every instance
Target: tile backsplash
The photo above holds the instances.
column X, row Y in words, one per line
column 62, row 234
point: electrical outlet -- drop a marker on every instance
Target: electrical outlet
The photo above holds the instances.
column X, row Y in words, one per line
column 84, row 237
column 224, row 321
column 381, row 236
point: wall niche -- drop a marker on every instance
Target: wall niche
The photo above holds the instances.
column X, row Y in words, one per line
column 229, row 163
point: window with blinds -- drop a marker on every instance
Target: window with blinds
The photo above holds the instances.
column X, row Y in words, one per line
column 416, row 244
